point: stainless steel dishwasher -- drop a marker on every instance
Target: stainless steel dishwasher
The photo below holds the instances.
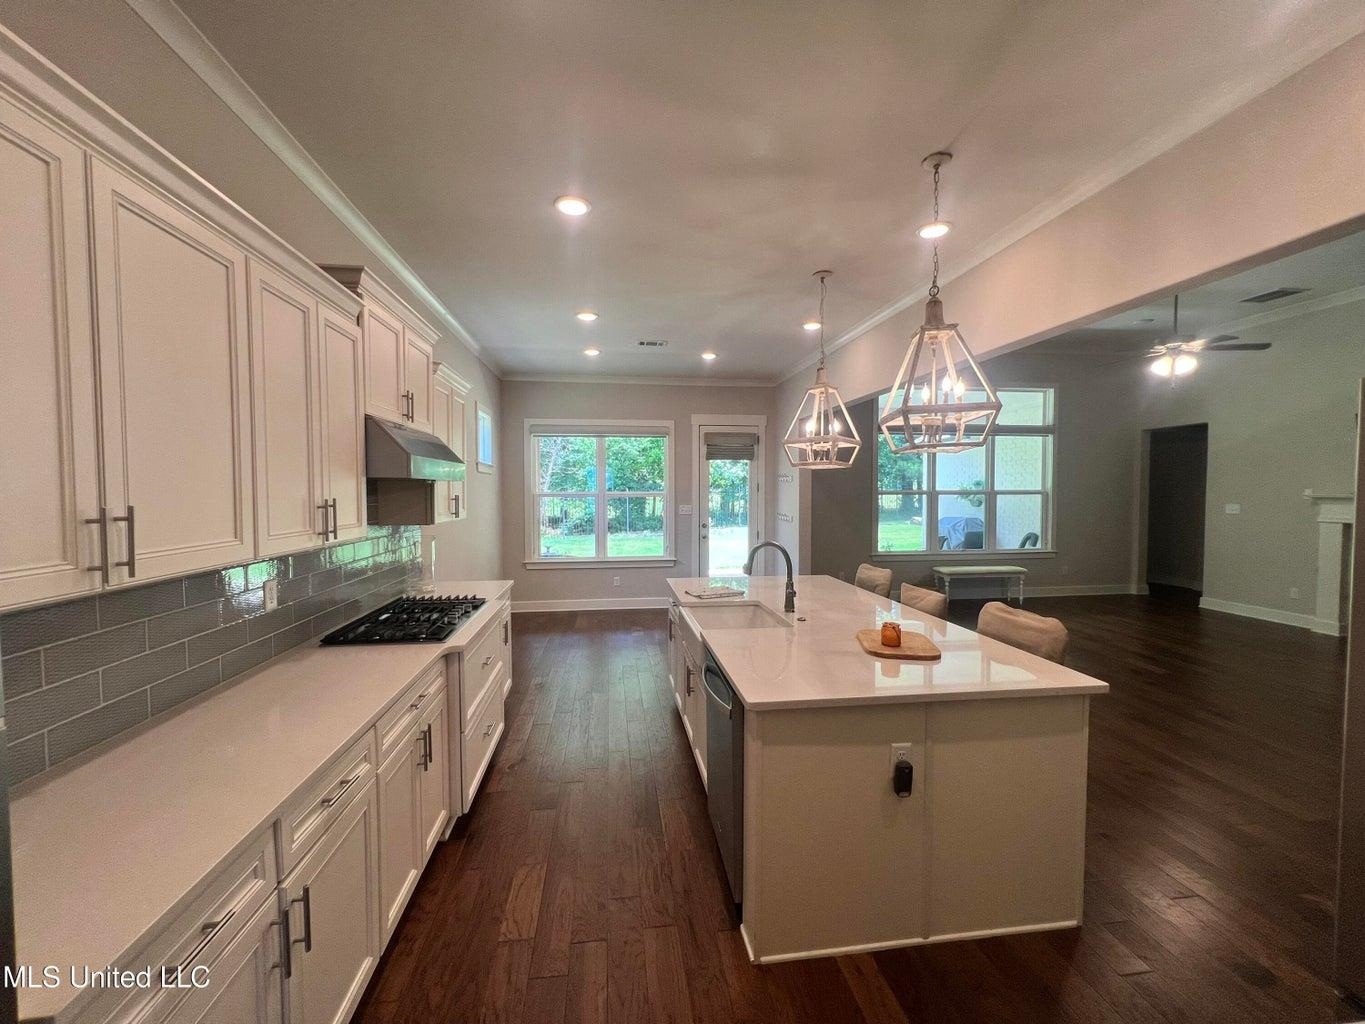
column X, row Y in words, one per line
column 725, row 771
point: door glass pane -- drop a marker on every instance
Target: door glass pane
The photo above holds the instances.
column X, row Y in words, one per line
column 635, row 526
column 567, row 527
column 961, row 522
column 566, row 464
column 900, row 522
column 727, row 514
column 961, row 471
column 635, row 463
column 1020, row 463
column 1018, row 521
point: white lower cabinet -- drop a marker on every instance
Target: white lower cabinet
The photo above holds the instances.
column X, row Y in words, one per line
column 400, row 840
column 433, row 782
column 245, row 982
column 332, row 912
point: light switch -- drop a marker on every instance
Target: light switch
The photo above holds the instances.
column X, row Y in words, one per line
column 1233, row 510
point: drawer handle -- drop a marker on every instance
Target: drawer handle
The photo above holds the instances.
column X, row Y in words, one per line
column 306, row 900
column 209, row 930
column 487, row 661
column 328, row 801
column 418, row 702
column 488, row 730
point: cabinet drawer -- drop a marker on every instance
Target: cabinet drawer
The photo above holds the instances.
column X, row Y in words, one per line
column 480, row 740
column 318, row 805
column 197, row 937
column 399, row 718
column 481, row 664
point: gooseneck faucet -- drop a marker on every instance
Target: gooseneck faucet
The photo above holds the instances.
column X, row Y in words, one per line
column 790, row 605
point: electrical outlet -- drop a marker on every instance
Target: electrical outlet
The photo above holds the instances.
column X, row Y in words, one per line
column 616, row 581
column 272, row 594
column 1294, row 592
column 1232, row 510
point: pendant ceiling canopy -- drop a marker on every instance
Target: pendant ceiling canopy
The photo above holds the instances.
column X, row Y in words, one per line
column 821, row 435
column 940, row 400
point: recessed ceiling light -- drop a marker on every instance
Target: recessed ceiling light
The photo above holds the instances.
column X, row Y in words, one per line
column 935, row 229
column 572, row 206
column 708, row 356
column 811, row 325
column 586, row 315
column 592, row 352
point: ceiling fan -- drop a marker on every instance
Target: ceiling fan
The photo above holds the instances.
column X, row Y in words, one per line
column 1179, row 356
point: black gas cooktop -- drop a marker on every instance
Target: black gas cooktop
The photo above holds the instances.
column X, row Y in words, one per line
column 408, row 620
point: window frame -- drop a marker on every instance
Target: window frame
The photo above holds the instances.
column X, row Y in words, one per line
column 600, row 429
column 931, row 492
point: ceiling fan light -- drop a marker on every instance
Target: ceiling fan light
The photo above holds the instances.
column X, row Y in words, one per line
column 1184, row 364
column 1162, row 366
column 935, row 229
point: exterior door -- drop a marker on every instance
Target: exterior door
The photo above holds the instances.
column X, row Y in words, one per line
column 48, row 383
column 174, row 371
column 342, row 402
column 729, row 515
column 291, row 510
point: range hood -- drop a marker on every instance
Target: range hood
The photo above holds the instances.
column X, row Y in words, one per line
column 396, row 452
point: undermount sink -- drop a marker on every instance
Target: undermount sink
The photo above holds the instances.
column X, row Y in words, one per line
column 736, row 616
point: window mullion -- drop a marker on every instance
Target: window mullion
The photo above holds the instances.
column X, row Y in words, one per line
column 601, row 500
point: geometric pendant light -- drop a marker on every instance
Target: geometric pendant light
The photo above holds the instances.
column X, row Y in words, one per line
column 821, row 435
column 940, row 400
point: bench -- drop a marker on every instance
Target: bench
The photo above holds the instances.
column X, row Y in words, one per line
column 1011, row 575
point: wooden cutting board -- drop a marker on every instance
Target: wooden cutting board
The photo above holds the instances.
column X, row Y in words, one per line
column 914, row 646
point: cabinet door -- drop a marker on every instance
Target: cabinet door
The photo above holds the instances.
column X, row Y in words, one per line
column 384, row 362
column 441, row 397
column 291, row 510
column 334, row 917
column 174, row 383
column 342, row 400
column 434, row 780
column 418, row 370
column 458, row 495
column 696, row 716
column 400, row 851
column 50, row 464
column 245, row 983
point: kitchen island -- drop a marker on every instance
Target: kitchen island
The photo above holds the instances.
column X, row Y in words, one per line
column 990, row 839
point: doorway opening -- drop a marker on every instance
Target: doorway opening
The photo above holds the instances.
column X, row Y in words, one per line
column 1177, row 482
column 729, row 492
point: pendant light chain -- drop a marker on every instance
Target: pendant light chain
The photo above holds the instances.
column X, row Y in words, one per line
column 933, row 285
column 822, row 275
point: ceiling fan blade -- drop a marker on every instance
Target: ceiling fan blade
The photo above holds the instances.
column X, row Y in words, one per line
column 1220, row 338
column 1246, row 346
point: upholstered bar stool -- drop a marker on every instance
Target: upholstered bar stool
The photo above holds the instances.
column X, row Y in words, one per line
column 1036, row 634
column 870, row 578
column 930, row 602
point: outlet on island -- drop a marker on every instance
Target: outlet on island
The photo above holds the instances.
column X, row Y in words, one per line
column 616, row 581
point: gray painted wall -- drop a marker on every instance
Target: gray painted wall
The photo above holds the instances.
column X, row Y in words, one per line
column 107, row 48
column 541, row 400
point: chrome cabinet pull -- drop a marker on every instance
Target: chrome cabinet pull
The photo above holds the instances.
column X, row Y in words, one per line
column 489, row 730
column 455, row 505
column 209, row 930
column 328, row 801
column 670, row 629
column 487, row 661
column 333, row 504
column 506, row 632
column 286, row 944
column 687, row 670
column 102, row 520
column 426, row 747
column 130, row 563
column 324, row 533
column 421, row 739
column 306, row 900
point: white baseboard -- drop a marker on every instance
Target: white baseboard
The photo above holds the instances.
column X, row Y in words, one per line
column 590, row 604
column 1083, row 590
column 1251, row 611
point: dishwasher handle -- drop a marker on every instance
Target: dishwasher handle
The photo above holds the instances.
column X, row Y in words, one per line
column 706, row 675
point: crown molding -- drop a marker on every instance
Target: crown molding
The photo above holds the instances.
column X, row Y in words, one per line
column 670, row 382
column 184, row 38
column 1262, row 77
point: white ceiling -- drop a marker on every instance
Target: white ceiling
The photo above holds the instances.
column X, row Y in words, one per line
column 730, row 148
column 1326, row 270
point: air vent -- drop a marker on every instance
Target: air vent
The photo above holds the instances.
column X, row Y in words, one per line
column 1275, row 293
column 652, row 343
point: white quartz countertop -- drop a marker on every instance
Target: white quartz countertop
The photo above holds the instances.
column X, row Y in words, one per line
column 816, row 659
column 108, row 849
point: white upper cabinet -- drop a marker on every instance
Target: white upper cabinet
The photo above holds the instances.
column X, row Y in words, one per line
column 343, row 423
column 174, row 384
column 291, row 511
column 448, row 423
column 400, row 351
column 49, row 484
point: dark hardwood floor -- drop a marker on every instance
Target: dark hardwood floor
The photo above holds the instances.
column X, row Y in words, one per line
column 585, row 885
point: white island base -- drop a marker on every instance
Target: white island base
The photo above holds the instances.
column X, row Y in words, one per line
column 990, row 841
column 991, row 838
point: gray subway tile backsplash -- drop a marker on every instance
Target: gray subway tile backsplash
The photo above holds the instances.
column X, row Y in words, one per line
column 78, row 673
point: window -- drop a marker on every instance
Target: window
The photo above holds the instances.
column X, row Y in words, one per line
column 483, row 437
column 599, row 493
column 994, row 498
